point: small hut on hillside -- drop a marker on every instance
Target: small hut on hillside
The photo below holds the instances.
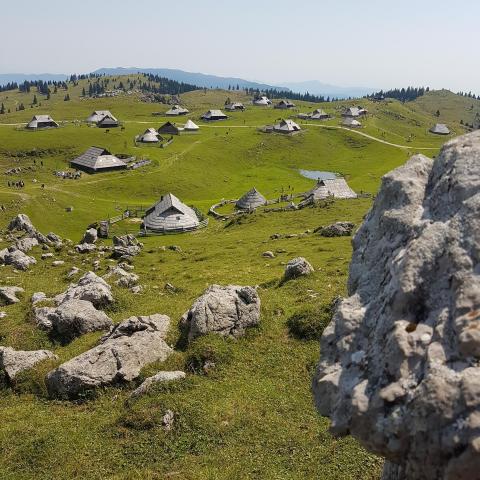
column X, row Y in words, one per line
column 319, row 114
column 108, row 122
column 262, row 101
column 335, row 187
column 191, row 127
column 168, row 215
column 150, row 136
column 284, row 105
column 99, row 115
column 353, row 112
column 351, row 123
column 177, row 110
column 169, row 128
column 286, row 127
column 233, row 106
column 41, row 121
column 440, row 129
column 212, row 115
column 251, row 200
column 97, row 159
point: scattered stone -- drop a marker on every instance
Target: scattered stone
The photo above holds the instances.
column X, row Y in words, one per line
column 137, row 289
column 85, row 247
column 73, row 271
column 227, row 311
column 158, row 378
column 26, row 244
column 46, row 255
column 337, row 229
column 38, row 297
column 71, row 319
column 275, row 236
column 8, row 295
column 90, row 236
column 12, row 362
column 268, row 254
column 175, row 248
column 399, row 366
column 19, row 260
column 170, row 288
column 119, row 357
column 89, row 287
column 58, row 263
column 54, row 238
column 3, row 314
column 124, row 279
column 297, row 267
column 167, row 420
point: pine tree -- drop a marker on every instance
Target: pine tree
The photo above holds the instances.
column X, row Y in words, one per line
column 2, row 109
column 66, row 98
column 84, row 94
column 35, row 101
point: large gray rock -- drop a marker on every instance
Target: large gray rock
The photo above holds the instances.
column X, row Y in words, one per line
column 19, row 260
column 337, row 229
column 8, row 295
column 227, row 311
column 119, row 358
column 26, row 244
column 22, row 223
column 85, row 247
column 90, row 236
column 12, row 362
column 123, row 278
column 71, row 319
column 297, row 267
column 399, row 365
column 125, row 246
column 89, row 287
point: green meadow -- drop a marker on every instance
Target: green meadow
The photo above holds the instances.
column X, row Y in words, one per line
column 252, row 417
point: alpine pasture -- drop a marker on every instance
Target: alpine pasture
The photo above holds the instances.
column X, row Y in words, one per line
column 252, row 416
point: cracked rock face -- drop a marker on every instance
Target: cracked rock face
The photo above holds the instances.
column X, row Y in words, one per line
column 399, row 365
column 89, row 287
column 13, row 362
column 119, row 357
column 227, row 311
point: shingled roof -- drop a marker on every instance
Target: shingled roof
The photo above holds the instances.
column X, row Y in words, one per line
column 214, row 115
column 42, row 121
column 97, row 159
column 251, row 200
column 99, row 115
column 286, row 126
column 150, row 136
column 334, row 187
column 169, row 214
column 177, row 110
column 191, row 126
column 440, row 129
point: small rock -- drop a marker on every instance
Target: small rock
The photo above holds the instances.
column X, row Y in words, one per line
column 158, row 378
column 167, row 420
column 46, row 255
column 297, row 267
column 58, row 263
column 73, row 271
column 337, row 229
column 8, row 295
column 12, row 362
column 137, row 289
column 268, row 254
column 38, row 297
column 175, row 248
column 90, row 236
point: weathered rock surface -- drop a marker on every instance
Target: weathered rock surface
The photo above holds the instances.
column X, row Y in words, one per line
column 17, row 259
column 85, row 247
column 227, row 311
column 399, row 366
column 8, row 295
column 337, row 229
column 12, row 362
column 89, row 287
column 71, row 319
column 125, row 246
column 90, row 236
column 22, row 223
column 158, row 378
column 123, row 278
column 38, row 297
column 120, row 356
column 297, row 267
column 26, row 244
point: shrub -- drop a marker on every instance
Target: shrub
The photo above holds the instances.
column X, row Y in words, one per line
column 310, row 322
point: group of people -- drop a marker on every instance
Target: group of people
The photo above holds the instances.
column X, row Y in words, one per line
column 72, row 175
column 19, row 184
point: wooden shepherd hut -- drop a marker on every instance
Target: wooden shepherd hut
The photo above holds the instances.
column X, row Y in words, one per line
column 251, row 200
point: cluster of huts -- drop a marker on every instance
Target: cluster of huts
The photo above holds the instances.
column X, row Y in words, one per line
column 152, row 136
column 284, row 126
column 103, row 119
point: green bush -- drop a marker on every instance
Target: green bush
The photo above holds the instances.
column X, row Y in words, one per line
column 310, row 322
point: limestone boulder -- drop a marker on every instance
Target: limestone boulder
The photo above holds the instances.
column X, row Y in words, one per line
column 160, row 377
column 19, row 260
column 26, row 244
column 119, row 357
column 90, row 236
column 400, row 361
column 9, row 295
column 337, row 229
column 13, row 362
column 223, row 310
column 297, row 267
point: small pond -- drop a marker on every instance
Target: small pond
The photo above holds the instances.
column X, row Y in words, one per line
column 317, row 174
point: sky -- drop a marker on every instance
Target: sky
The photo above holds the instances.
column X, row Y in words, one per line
column 369, row 43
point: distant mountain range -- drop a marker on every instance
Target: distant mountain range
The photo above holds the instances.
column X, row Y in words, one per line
column 318, row 88
column 203, row 80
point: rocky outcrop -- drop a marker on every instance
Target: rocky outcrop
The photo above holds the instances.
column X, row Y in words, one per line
column 89, row 287
column 71, row 319
column 158, row 378
column 119, row 357
column 13, row 362
column 26, row 244
column 17, row 259
column 9, row 295
column 337, row 229
column 22, row 223
column 123, row 278
column 90, row 236
column 297, row 267
column 125, row 246
column 399, row 366
column 227, row 311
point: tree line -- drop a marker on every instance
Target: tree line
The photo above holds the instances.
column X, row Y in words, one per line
column 403, row 94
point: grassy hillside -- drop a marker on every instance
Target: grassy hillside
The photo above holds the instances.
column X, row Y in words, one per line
column 252, row 417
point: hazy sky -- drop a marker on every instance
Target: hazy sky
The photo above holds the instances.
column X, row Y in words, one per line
column 346, row 42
